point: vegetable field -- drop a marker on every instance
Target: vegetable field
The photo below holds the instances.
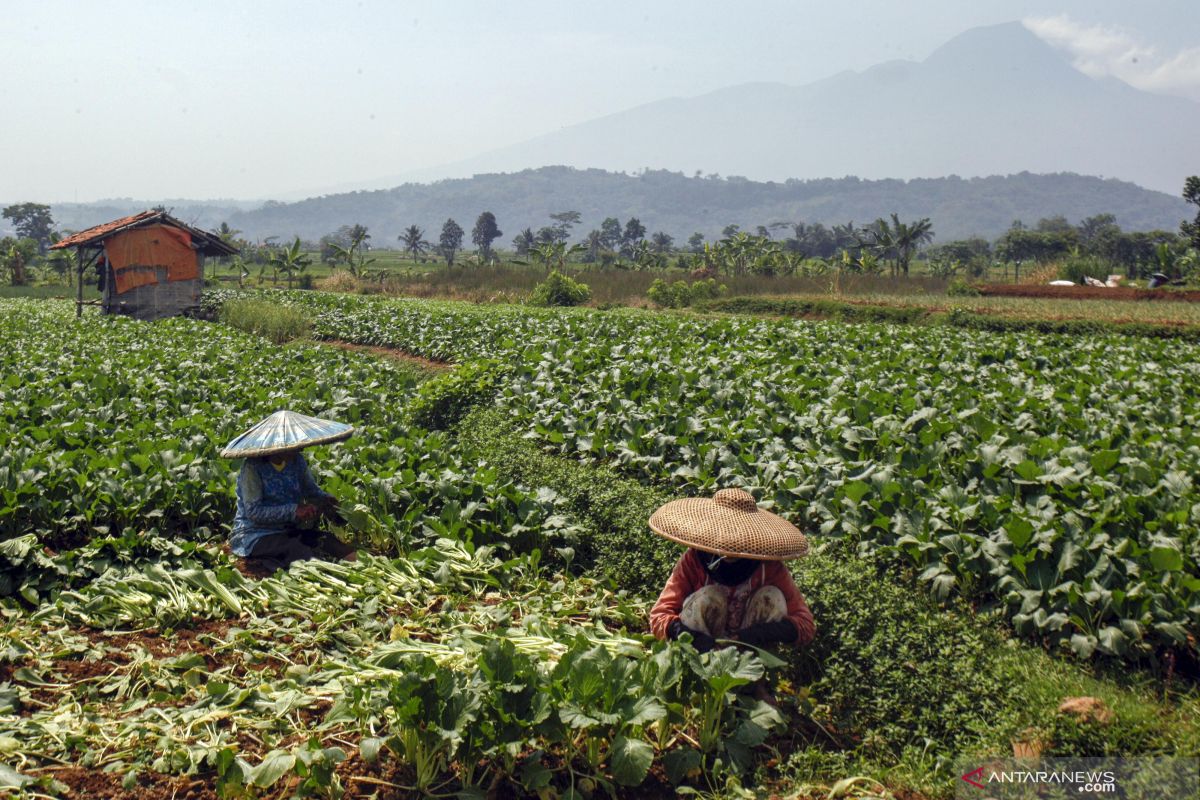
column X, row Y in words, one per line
column 1053, row 476
column 480, row 648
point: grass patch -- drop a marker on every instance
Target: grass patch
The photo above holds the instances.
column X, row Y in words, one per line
column 50, row 291
column 956, row 315
column 274, row 321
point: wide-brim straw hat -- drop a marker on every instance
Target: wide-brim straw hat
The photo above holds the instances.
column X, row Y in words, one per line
column 285, row 432
column 730, row 524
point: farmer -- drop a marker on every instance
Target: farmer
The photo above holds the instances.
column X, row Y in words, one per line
column 278, row 501
column 731, row 583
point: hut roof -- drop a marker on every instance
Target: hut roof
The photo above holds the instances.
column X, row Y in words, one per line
column 204, row 242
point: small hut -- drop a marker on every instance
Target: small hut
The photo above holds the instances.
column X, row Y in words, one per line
column 149, row 265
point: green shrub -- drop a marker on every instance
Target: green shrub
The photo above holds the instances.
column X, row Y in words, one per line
column 560, row 290
column 681, row 295
column 275, row 321
column 669, row 295
column 708, row 289
column 961, row 288
column 443, row 400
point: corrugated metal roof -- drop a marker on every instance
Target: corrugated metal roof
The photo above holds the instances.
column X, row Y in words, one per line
column 208, row 243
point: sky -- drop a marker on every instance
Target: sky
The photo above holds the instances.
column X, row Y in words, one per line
column 271, row 99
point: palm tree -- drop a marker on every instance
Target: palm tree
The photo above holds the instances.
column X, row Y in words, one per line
column 414, row 242
column 906, row 238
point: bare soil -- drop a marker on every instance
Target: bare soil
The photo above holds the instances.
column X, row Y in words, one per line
column 93, row 784
column 395, row 354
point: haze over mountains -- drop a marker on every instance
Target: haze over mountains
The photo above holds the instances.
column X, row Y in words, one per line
column 992, row 101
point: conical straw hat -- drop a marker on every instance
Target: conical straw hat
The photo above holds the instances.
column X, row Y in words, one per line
column 731, row 524
column 283, row 432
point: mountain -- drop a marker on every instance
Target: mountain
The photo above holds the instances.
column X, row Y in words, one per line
column 992, row 101
column 680, row 205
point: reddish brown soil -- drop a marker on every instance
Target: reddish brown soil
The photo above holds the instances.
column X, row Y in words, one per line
column 1086, row 292
column 93, row 784
column 389, row 352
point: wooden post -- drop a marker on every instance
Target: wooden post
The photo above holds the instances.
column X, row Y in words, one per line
column 79, row 292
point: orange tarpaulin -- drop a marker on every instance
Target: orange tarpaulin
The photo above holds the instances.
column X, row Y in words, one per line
column 135, row 255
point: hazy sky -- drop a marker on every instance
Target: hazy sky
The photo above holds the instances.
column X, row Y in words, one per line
column 254, row 99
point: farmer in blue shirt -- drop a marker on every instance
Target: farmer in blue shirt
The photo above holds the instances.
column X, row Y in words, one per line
column 278, row 501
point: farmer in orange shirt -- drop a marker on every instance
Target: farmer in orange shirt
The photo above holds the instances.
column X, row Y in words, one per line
column 731, row 582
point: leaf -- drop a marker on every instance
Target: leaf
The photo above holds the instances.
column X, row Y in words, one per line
column 679, row 763
column 1104, row 460
column 274, row 766
column 11, row 779
column 369, row 747
column 856, row 490
column 1019, row 532
column 1083, row 645
column 630, row 760
column 1027, row 470
column 1166, row 559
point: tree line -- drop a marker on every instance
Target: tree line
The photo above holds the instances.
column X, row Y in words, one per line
column 775, row 248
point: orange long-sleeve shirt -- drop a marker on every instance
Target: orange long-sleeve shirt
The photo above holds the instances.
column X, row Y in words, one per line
column 689, row 575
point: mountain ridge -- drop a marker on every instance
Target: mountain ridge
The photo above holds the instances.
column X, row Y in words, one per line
column 680, row 205
column 992, row 100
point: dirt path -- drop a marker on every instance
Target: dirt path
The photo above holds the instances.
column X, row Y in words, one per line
column 393, row 353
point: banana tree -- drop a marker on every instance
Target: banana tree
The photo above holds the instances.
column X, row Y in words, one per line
column 291, row 260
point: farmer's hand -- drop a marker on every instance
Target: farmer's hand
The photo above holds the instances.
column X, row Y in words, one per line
column 700, row 640
column 306, row 512
column 768, row 633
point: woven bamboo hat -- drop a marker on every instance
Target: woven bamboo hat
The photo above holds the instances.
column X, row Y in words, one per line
column 730, row 524
column 285, row 432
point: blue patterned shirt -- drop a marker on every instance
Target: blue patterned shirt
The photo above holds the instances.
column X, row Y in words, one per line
column 267, row 500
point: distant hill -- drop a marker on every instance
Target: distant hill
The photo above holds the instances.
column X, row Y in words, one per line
column 681, row 205
column 992, row 101
column 202, row 213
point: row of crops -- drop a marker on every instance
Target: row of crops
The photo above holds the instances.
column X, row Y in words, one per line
column 1052, row 476
column 465, row 664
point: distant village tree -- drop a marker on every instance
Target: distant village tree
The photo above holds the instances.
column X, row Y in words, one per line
column 729, row 231
column 1191, row 193
column 634, row 232
column 32, row 221
column 414, row 242
column 484, row 233
column 15, row 254
column 661, row 242
column 593, row 244
column 696, row 242
column 563, row 222
column 523, row 241
column 610, row 233
column 450, row 242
